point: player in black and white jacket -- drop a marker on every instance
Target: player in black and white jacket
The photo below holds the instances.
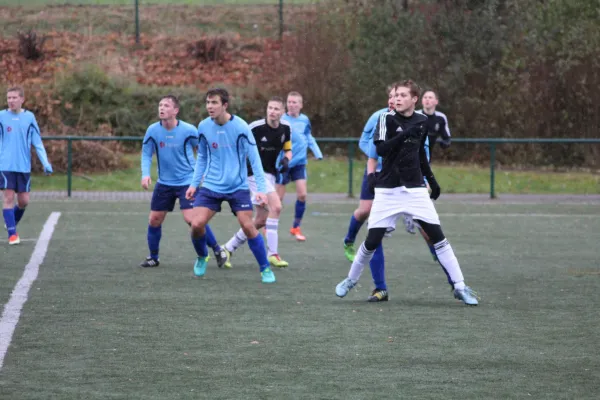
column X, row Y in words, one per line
column 400, row 190
column 437, row 122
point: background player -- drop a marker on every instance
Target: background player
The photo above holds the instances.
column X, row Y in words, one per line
column 361, row 214
column 225, row 142
column 302, row 140
column 437, row 126
column 173, row 141
column 437, row 122
column 400, row 189
column 272, row 135
column 18, row 132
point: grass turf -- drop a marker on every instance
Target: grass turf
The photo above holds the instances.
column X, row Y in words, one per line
column 95, row 326
column 331, row 176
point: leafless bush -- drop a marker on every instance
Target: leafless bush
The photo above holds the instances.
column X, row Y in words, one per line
column 31, row 45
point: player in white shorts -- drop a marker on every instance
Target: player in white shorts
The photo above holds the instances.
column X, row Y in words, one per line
column 400, row 190
column 272, row 135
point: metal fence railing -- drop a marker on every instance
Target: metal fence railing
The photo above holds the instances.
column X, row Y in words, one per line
column 352, row 145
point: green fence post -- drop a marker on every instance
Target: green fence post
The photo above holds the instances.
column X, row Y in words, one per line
column 492, row 170
column 137, row 21
column 280, row 19
column 69, row 166
column 350, row 166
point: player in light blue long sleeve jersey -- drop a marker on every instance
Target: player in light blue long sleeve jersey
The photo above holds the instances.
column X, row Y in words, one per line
column 302, row 140
column 172, row 141
column 225, row 143
column 18, row 132
column 367, row 195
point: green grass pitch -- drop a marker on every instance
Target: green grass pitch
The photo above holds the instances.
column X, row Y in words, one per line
column 98, row 327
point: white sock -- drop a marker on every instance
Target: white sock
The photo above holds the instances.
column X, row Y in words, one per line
column 362, row 258
column 272, row 236
column 236, row 241
column 446, row 256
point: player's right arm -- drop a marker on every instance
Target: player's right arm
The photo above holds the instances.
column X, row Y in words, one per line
column 148, row 148
column 368, row 132
column 426, row 170
column 200, row 168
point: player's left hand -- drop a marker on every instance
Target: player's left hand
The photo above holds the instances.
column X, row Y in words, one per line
column 190, row 193
column 285, row 165
column 435, row 188
column 261, row 198
column 444, row 144
column 48, row 170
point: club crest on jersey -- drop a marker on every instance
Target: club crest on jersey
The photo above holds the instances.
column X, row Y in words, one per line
column 437, row 127
column 8, row 129
column 162, row 145
column 264, row 139
column 399, row 129
column 282, row 138
column 215, row 145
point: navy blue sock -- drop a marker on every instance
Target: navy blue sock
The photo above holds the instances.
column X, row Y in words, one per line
column 18, row 214
column 9, row 219
column 154, row 235
column 353, row 229
column 211, row 240
column 200, row 245
column 377, row 266
column 300, row 208
column 257, row 245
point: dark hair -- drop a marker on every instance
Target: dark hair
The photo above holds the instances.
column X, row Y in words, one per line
column 390, row 87
column 222, row 93
column 415, row 90
column 432, row 91
column 16, row 89
column 277, row 99
column 173, row 98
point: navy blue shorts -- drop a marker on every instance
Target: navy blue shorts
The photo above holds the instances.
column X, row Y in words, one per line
column 365, row 193
column 17, row 181
column 293, row 174
column 238, row 201
column 164, row 197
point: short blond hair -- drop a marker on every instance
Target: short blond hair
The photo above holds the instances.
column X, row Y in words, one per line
column 295, row 94
column 18, row 89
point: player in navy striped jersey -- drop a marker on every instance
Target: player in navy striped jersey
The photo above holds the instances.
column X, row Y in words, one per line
column 272, row 136
column 302, row 140
column 18, row 132
column 400, row 190
column 437, row 122
column 173, row 142
column 225, row 143
column 437, row 127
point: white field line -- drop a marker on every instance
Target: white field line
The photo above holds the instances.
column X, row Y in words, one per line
column 12, row 309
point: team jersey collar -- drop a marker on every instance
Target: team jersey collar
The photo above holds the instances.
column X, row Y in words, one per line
column 178, row 121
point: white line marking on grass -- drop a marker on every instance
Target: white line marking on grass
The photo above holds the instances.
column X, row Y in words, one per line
column 12, row 309
column 485, row 215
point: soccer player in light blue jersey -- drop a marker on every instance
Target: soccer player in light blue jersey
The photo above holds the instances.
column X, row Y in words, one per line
column 367, row 194
column 173, row 142
column 18, row 132
column 302, row 140
column 225, row 143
